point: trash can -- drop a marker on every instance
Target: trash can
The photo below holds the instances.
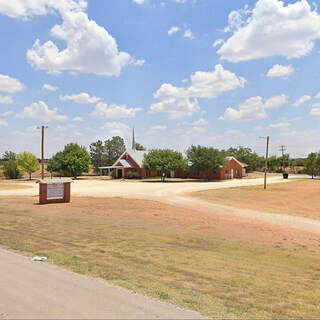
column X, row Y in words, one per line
column 285, row 175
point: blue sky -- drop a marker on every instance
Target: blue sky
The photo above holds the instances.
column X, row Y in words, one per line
column 181, row 72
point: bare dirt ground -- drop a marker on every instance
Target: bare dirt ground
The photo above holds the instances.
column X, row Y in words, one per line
column 298, row 198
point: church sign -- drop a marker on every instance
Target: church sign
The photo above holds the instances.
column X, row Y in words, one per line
column 54, row 191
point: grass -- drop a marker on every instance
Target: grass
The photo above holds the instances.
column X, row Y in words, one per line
column 299, row 198
column 12, row 186
column 151, row 255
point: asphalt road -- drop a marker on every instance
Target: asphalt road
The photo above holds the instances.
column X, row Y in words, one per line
column 39, row 290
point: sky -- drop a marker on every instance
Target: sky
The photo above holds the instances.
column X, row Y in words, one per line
column 181, row 72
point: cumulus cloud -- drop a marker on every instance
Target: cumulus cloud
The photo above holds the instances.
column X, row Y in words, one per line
column 302, row 100
column 200, row 122
column 218, row 42
column 317, row 96
column 180, row 102
column 315, row 112
column 89, row 47
column 188, row 34
column 49, row 87
column 156, row 129
column 212, row 84
column 272, row 28
column 280, row 71
column 77, row 119
column 174, row 101
column 80, row 98
column 5, row 99
column 10, row 85
column 280, row 125
column 173, row 30
column 40, row 111
column 253, row 109
column 104, row 110
column 117, row 129
column 139, row 1
column 6, row 114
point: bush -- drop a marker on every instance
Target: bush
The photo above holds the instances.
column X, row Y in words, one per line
column 10, row 165
column 133, row 175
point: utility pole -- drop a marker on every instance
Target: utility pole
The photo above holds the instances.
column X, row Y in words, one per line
column 266, row 163
column 42, row 150
column 282, row 149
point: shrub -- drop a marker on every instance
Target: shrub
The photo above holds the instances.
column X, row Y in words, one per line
column 133, row 175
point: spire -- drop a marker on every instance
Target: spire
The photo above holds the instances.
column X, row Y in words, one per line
column 133, row 141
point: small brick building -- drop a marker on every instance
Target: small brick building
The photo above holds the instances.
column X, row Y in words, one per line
column 132, row 160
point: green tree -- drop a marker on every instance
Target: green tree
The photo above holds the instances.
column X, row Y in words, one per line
column 76, row 159
column 274, row 164
column 247, row 156
column 73, row 160
column 55, row 164
column 164, row 161
column 312, row 164
column 139, row 147
column 113, row 149
column 27, row 162
column 206, row 159
column 10, row 166
column 97, row 153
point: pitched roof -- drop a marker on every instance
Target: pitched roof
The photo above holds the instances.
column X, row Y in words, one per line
column 137, row 156
column 242, row 164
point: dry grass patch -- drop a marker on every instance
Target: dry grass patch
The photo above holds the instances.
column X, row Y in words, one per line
column 148, row 247
column 4, row 185
column 298, row 198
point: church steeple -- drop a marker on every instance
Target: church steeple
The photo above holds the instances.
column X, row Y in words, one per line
column 133, row 141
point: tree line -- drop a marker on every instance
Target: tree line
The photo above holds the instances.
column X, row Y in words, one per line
column 74, row 160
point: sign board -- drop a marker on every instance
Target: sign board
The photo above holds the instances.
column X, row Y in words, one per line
column 55, row 191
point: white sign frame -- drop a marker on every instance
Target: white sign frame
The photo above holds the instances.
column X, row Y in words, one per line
column 55, row 191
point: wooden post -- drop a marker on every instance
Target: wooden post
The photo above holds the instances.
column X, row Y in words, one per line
column 42, row 152
column 266, row 164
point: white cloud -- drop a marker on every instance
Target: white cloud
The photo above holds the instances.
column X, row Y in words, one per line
column 89, row 47
column 315, row 112
column 25, row 9
column 49, row 87
column 103, row 110
column 11, row 85
column 65, row 128
column 253, row 109
column 80, row 98
column 197, row 130
column 5, row 99
column 200, row 122
column 212, row 84
column 6, row 114
column 302, row 100
column 218, row 42
column 188, row 34
column 139, row 1
column 317, row 96
column 3, row 123
column 181, row 102
column 117, row 129
column 271, row 29
column 174, row 101
column 280, row 125
column 30, row 132
column 40, row 111
column 77, row 119
column 156, row 129
column 280, row 71
column 173, row 30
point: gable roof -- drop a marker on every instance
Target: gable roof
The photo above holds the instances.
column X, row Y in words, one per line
column 242, row 164
column 137, row 156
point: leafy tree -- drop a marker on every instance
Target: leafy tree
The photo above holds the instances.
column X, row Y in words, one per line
column 139, row 147
column 10, row 166
column 114, row 148
column 97, row 153
column 247, row 156
column 27, row 162
column 164, row 161
column 73, row 160
column 312, row 164
column 274, row 163
column 76, row 159
column 55, row 164
column 206, row 159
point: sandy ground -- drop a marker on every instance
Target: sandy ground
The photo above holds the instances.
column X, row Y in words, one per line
column 37, row 290
column 139, row 189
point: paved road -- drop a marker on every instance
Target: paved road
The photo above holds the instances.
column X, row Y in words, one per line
column 39, row 290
